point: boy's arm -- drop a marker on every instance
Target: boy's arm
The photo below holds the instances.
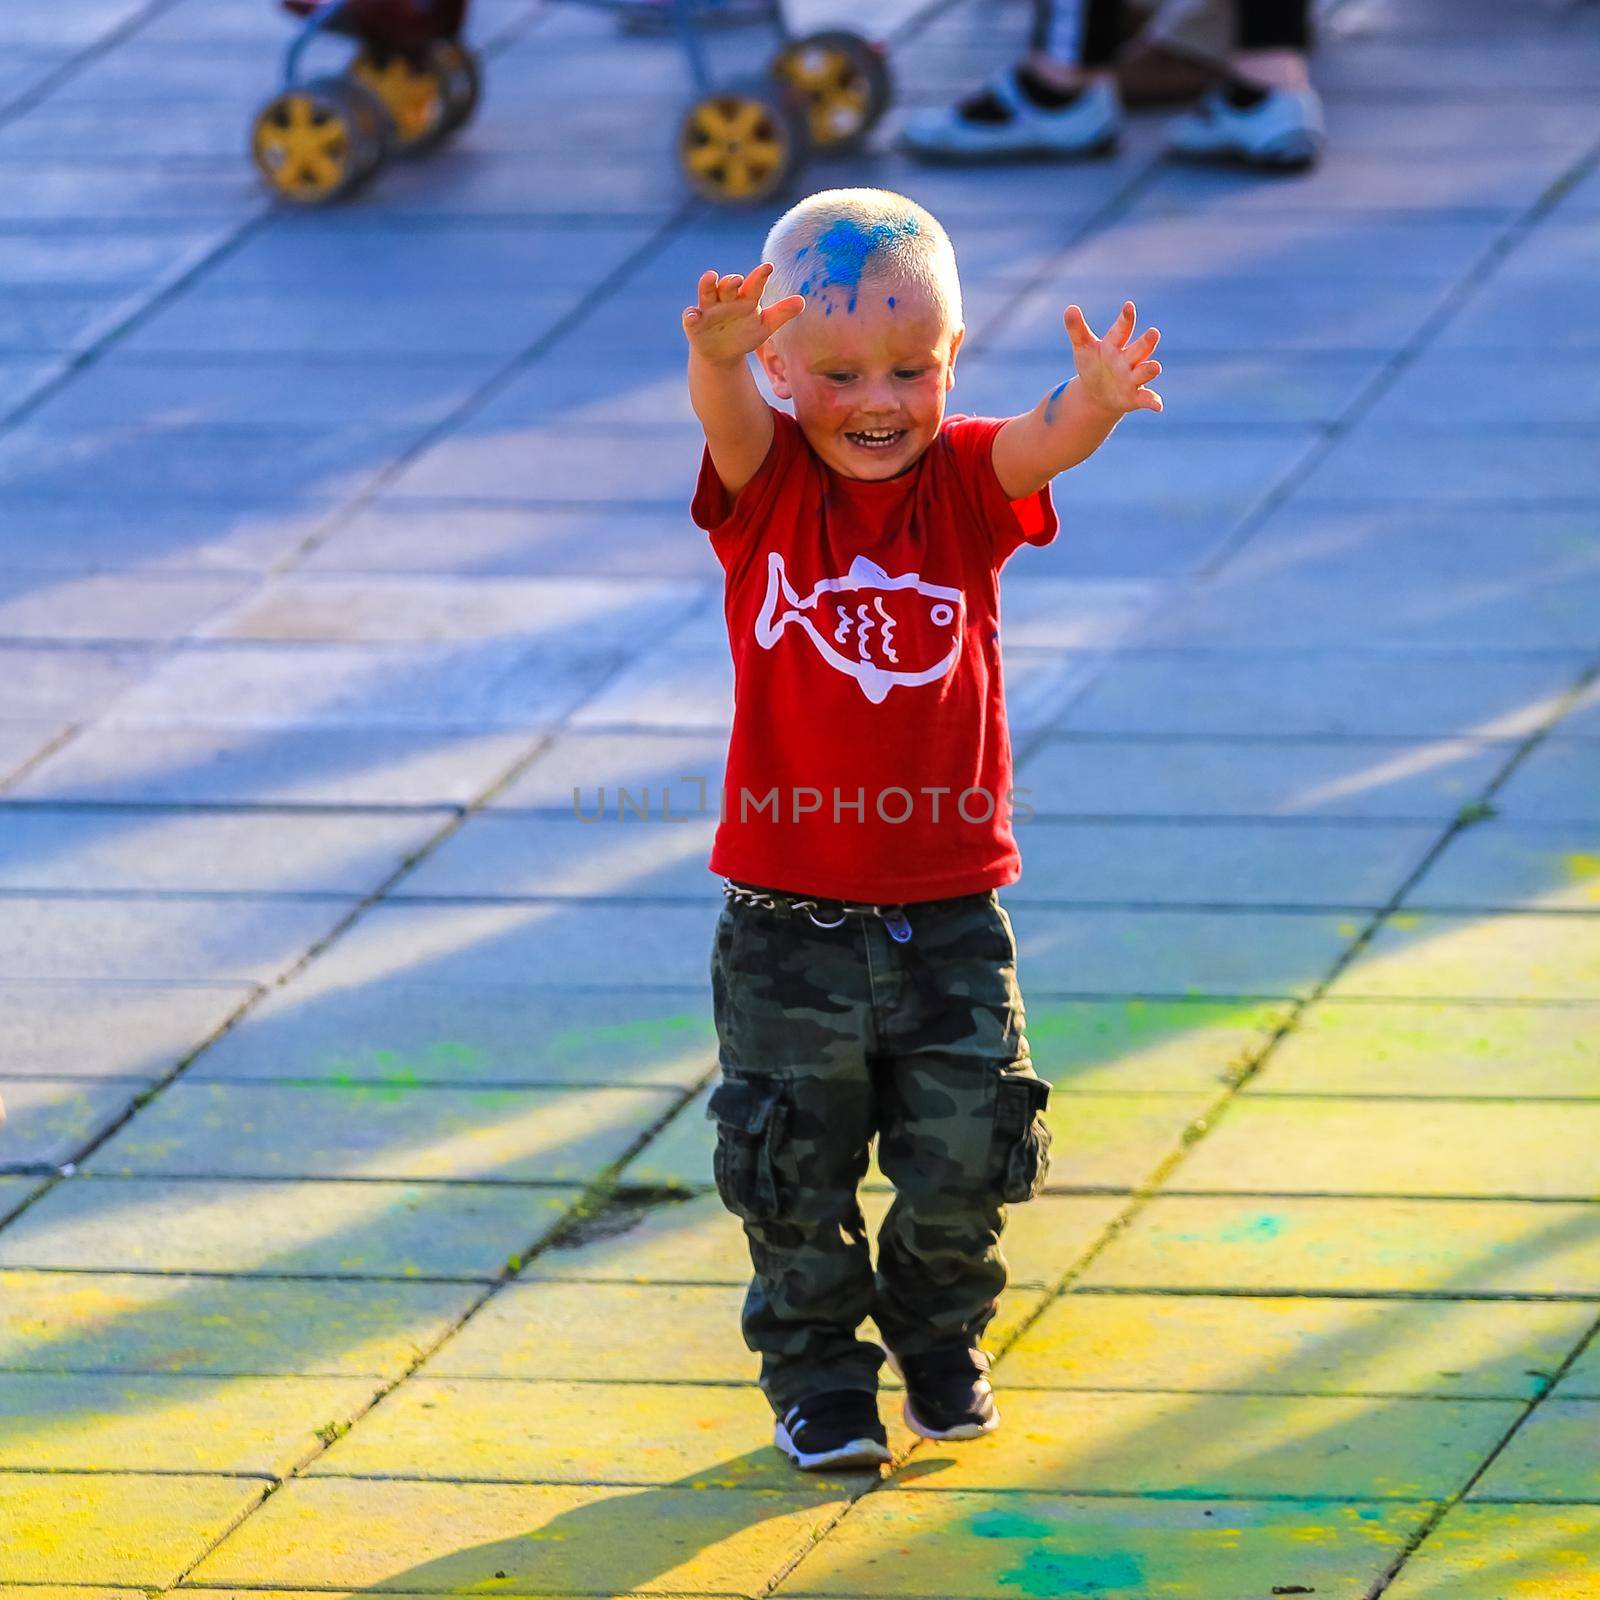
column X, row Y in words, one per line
column 1077, row 417
column 724, row 329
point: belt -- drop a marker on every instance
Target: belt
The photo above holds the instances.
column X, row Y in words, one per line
column 894, row 917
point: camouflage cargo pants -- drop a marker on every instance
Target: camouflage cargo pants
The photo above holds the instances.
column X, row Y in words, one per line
column 827, row 1038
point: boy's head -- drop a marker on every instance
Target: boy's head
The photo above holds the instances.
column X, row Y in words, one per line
column 870, row 359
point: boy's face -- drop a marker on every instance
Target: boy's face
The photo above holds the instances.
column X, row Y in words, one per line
column 868, row 384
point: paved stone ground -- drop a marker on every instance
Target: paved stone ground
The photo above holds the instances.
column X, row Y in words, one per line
column 359, row 1231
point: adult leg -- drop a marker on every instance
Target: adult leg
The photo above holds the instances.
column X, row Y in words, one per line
column 794, row 1112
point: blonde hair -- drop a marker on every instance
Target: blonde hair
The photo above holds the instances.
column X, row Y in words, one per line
column 835, row 238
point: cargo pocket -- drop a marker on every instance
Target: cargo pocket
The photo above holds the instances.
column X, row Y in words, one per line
column 1021, row 1136
column 751, row 1116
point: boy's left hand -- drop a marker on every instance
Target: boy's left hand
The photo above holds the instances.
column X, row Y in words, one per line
column 1114, row 371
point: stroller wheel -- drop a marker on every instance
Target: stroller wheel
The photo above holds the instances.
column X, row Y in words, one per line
column 462, row 81
column 842, row 81
column 427, row 97
column 742, row 144
column 319, row 141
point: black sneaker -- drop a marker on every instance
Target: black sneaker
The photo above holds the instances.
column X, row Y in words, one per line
column 838, row 1428
column 948, row 1394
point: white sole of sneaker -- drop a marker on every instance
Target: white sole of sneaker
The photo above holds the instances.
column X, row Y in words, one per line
column 967, row 1430
column 858, row 1453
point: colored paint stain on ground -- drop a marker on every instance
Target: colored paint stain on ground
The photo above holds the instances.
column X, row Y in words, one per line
column 1253, row 1230
column 1047, row 1573
column 652, row 1033
column 1010, row 1525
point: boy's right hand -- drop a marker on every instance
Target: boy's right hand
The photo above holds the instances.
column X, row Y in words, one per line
column 728, row 324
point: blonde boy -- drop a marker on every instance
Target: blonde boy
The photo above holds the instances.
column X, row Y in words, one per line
column 864, row 972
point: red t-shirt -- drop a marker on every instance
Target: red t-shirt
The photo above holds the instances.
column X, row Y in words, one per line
column 869, row 758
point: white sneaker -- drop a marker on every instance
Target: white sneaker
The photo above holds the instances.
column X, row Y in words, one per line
column 1283, row 132
column 1014, row 127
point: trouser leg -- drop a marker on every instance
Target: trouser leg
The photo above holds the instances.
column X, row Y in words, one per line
column 795, row 1113
column 1272, row 24
column 961, row 1134
column 1084, row 33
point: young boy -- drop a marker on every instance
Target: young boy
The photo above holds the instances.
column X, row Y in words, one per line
column 864, row 973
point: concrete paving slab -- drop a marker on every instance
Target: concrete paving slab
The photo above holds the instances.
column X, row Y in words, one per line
column 1140, row 1044
column 638, row 1433
column 86, row 24
column 23, row 376
column 1437, row 391
column 124, row 1529
column 992, row 1546
column 110, row 606
column 65, row 191
column 1558, row 782
column 1297, row 244
column 1201, row 1445
column 1251, row 1344
column 674, row 764
column 353, row 1230
column 1220, row 862
column 551, row 945
column 441, row 1538
column 562, row 613
column 165, row 1323
column 68, row 684
column 137, row 1031
column 276, row 766
column 65, row 531
column 254, row 852
column 49, row 1121
column 597, row 854
column 1437, row 695
column 1453, row 467
column 1362, row 1047
column 1551, row 1457
column 1537, row 610
column 347, row 321
column 393, row 1032
column 452, row 536
column 1485, row 322
column 58, row 319
column 398, row 1032
column 561, row 387
column 1195, row 954
column 1492, row 956
column 23, row 742
column 382, row 1130
column 13, row 1191
column 1213, row 391
column 1582, row 1381
column 92, row 1423
column 533, row 1330
column 1545, row 866
column 1104, row 775
column 1301, row 1245
column 471, row 685
column 694, row 1240
column 1301, row 1144
column 267, row 392
column 127, row 256
column 1513, row 1552
column 91, row 938
column 1230, row 310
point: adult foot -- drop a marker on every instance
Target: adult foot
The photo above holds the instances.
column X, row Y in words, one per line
column 1274, row 129
column 1020, row 115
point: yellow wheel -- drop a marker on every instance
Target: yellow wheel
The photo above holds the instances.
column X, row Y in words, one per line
column 840, row 79
column 742, row 144
column 409, row 91
column 318, row 141
column 426, row 99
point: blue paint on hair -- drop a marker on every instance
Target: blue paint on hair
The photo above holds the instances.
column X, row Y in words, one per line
column 846, row 248
column 1050, row 404
column 891, row 302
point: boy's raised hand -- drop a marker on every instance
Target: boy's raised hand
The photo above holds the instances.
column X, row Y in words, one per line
column 1113, row 370
column 728, row 323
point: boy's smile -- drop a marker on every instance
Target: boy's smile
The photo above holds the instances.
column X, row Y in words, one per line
column 868, row 384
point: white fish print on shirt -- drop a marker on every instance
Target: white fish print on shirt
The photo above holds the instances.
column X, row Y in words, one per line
column 882, row 631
